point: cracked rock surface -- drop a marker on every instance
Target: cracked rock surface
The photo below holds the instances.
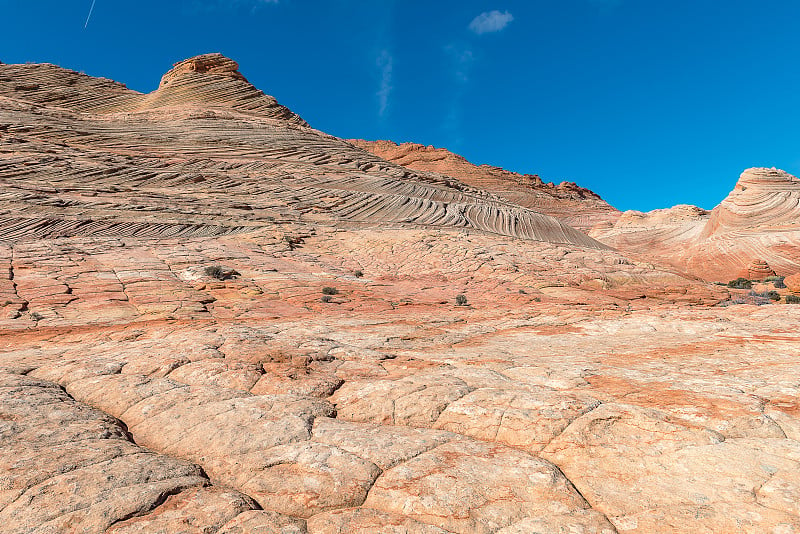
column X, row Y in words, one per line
column 215, row 319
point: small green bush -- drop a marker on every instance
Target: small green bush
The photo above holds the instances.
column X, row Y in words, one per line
column 792, row 299
column 325, row 298
column 330, row 291
column 740, row 283
column 461, row 300
column 358, row 274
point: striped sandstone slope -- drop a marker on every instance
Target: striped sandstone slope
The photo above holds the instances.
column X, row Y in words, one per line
column 207, row 154
column 575, row 205
column 209, row 80
column 759, row 222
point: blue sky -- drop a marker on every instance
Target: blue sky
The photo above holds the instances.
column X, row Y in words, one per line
column 648, row 103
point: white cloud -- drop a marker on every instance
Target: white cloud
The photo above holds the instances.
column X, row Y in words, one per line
column 490, row 21
column 384, row 62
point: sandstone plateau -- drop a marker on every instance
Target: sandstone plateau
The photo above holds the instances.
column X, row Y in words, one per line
column 217, row 319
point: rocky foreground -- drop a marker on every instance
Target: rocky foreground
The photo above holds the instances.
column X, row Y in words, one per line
column 215, row 321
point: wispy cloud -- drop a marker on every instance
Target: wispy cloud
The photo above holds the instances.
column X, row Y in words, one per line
column 490, row 22
column 221, row 5
column 461, row 59
column 385, row 64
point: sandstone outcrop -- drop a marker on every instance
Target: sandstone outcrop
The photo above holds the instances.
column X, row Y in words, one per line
column 215, row 64
column 207, row 133
column 213, row 320
column 754, row 231
column 793, row 283
column 575, row 205
column 759, row 270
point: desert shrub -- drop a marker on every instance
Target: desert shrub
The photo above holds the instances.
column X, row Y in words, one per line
column 760, row 298
column 293, row 242
column 215, row 271
column 792, row 299
column 330, row 291
column 732, row 302
column 219, row 272
column 461, row 300
column 36, row 316
column 325, row 298
column 771, row 295
column 358, row 274
column 740, row 283
column 778, row 282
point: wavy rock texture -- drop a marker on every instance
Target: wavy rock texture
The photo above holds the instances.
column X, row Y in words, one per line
column 214, row 319
column 207, row 154
column 753, row 233
column 575, row 205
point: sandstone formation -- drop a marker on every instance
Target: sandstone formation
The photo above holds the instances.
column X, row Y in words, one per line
column 754, row 231
column 759, row 270
column 793, row 283
column 206, row 144
column 575, row 205
column 215, row 319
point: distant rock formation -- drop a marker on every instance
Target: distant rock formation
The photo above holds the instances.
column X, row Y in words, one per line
column 209, row 154
column 753, row 233
column 759, row 270
column 764, row 200
column 575, row 205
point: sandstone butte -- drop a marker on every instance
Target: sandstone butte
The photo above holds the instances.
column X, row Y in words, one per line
column 169, row 361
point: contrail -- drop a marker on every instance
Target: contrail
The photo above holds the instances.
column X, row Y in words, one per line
column 91, row 9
